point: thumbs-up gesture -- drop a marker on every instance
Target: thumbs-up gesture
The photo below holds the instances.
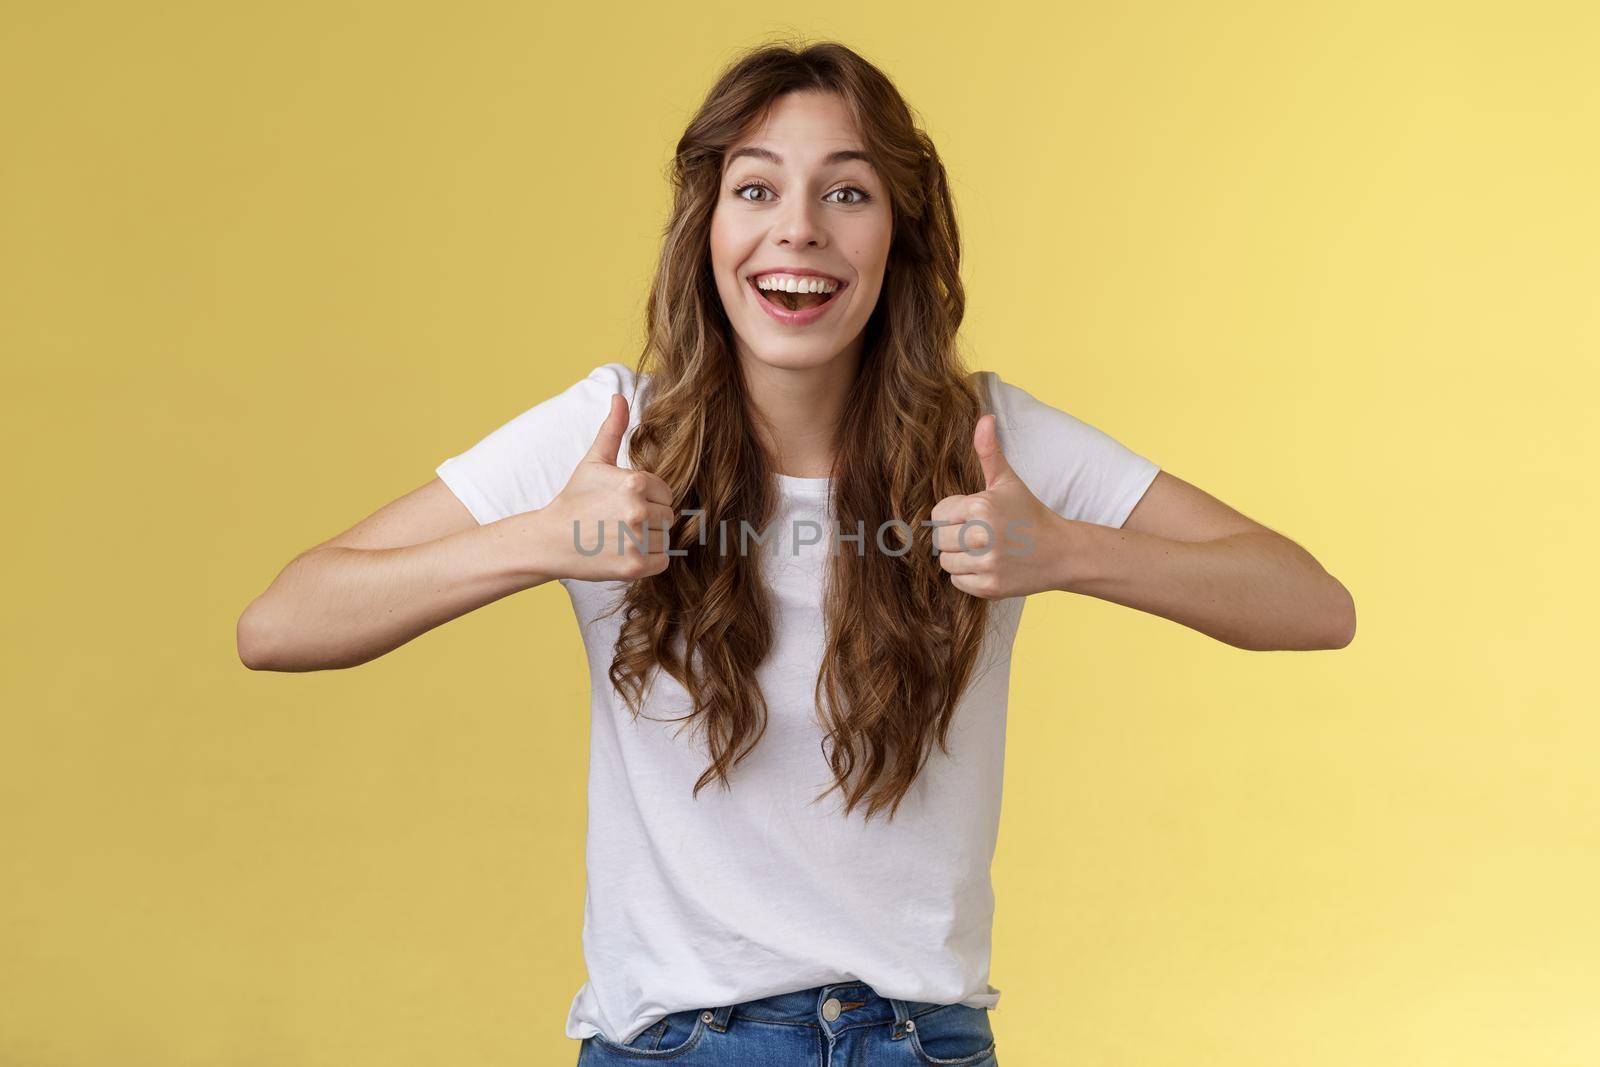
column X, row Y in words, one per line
column 600, row 498
column 1002, row 542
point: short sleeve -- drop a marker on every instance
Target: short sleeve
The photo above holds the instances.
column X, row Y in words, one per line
column 522, row 465
column 1077, row 470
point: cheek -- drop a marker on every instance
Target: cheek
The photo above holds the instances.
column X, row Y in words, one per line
column 729, row 248
column 719, row 246
column 869, row 246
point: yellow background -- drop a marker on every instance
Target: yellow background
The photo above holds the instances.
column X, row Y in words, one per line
column 263, row 266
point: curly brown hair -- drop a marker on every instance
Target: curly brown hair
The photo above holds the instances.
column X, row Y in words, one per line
column 901, row 641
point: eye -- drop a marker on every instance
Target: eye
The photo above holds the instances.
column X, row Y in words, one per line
column 739, row 191
column 861, row 195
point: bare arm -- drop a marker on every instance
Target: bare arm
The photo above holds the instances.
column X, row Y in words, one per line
column 1181, row 554
column 423, row 560
column 1186, row 556
column 417, row 562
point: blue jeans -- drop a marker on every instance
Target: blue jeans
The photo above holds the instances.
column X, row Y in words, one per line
column 825, row 1026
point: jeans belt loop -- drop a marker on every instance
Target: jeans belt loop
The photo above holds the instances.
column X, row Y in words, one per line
column 902, row 1015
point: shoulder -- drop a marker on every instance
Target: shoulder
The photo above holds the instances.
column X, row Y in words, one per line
column 1020, row 417
column 558, row 429
column 624, row 377
column 524, row 462
column 1076, row 468
column 999, row 395
column 591, row 394
column 608, row 378
column 591, row 402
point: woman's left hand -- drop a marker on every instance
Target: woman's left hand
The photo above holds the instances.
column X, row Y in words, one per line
column 1002, row 542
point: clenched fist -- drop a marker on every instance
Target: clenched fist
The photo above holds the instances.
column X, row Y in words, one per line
column 580, row 534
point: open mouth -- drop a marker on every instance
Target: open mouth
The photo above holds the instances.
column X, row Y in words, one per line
column 795, row 301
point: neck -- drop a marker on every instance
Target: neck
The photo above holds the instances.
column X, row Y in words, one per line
column 797, row 410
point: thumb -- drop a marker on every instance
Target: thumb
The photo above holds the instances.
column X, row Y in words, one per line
column 609, row 439
column 987, row 444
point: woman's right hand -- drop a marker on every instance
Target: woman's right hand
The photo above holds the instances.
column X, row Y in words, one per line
column 598, row 500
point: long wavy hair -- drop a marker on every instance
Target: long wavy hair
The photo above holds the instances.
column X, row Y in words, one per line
column 901, row 641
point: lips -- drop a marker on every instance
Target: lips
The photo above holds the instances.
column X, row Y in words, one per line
column 804, row 316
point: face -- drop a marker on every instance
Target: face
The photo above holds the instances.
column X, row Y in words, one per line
column 789, row 199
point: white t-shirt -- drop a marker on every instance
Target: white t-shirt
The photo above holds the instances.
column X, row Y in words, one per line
column 743, row 894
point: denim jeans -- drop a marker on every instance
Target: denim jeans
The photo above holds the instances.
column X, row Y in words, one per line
column 844, row 1025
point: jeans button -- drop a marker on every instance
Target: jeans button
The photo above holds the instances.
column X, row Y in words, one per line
column 830, row 1009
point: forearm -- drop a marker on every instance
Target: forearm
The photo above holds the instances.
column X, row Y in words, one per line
column 335, row 606
column 1255, row 590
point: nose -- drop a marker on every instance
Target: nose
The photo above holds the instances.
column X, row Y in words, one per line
column 799, row 225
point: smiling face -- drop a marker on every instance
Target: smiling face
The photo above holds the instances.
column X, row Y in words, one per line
column 796, row 194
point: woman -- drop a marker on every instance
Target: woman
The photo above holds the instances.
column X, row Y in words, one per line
column 798, row 541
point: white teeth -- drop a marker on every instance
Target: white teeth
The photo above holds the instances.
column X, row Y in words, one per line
column 791, row 283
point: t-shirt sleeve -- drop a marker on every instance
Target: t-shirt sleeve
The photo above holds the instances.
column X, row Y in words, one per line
column 523, row 465
column 1078, row 471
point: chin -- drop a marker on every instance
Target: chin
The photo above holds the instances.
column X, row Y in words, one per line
column 798, row 355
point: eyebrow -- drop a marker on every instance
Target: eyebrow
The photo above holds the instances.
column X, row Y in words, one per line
column 841, row 156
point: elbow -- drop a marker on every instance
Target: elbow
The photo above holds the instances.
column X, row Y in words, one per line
column 1325, row 625
column 1341, row 617
column 267, row 642
column 253, row 639
column 1328, row 626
